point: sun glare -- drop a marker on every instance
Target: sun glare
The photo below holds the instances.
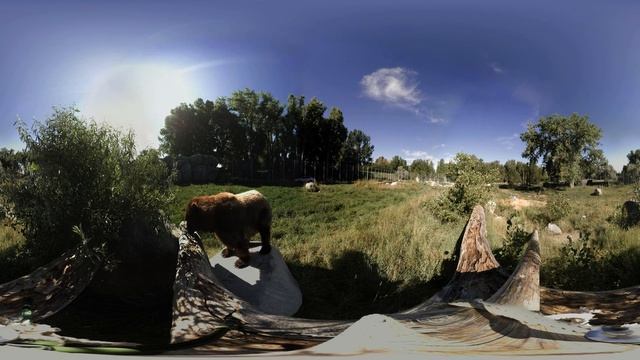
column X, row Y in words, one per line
column 138, row 97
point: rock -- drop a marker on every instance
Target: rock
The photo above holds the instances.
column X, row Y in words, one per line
column 597, row 192
column 554, row 229
column 491, row 206
column 266, row 283
column 311, row 187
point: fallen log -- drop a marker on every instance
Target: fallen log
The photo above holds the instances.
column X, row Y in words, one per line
column 51, row 287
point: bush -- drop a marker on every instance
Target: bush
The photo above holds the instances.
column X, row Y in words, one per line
column 509, row 254
column 581, row 265
column 557, row 208
column 85, row 175
column 469, row 190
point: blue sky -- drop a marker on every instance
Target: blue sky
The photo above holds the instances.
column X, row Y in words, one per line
column 423, row 78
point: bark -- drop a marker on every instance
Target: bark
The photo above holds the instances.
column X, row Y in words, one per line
column 523, row 286
column 478, row 274
column 51, row 287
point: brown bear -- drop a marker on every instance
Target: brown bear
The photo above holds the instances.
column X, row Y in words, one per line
column 234, row 219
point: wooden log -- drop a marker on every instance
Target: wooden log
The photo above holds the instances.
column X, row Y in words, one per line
column 523, row 286
column 49, row 288
column 203, row 307
column 478, row 274
column 612, row 307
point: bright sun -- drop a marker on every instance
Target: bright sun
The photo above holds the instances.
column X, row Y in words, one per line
column 138, row 97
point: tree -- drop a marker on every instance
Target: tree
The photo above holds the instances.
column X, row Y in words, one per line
column 512, row 172
column 186, row 129
column 441, row 169
column 470, row 187
column 397, row 162
column 85, row 175
column 333, row 134
column 562, row 142
column 11, row 162
column 519, row 173
column 423, row 168
column 357, row 148
column 382, row 164
column 631, row 172
column 595, row 166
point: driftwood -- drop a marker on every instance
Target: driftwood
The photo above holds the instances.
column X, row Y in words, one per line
column 478, row 274
column 49, row 288
column 480, row 311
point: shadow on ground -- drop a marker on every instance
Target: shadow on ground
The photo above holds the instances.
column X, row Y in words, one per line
column 355, row 286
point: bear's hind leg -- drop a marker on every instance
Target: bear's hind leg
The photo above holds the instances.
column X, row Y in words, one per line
column 227, row 252
column 265, row 238
column 243, row 257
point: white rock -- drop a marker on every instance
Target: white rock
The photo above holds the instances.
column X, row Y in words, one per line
column 491, row 206
column 311, row 187
column 554, row 229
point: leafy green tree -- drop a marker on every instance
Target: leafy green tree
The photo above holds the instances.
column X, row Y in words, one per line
column 596, row 166
column 259, row 115
column 186, row 130
column 631, row 172
column 517, row 172
column 470, row 188
column 251, row 131
column 397, row 162
column 11, row 162
column 83, row 175
column 561, row 142
column 333, row 134
column 357, row 148
column 512, row 172
column 443, row 170
column 423, row 168
column 382, row 164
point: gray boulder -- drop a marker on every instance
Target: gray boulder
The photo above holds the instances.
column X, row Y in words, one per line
column 311, row 186
column 554, row 229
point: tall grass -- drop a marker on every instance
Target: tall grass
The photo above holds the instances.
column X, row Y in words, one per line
column 369, row 247
column 354, row 249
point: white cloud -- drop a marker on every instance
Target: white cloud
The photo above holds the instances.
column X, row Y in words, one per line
column 508, row 142
column 396, row 86
column 438, row 146
column 399, row 87
column 435, row 119
column 207, row 64
column 411, row 155
column 496, row 68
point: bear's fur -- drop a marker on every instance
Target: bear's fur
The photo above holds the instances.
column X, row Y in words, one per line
column 234, row 219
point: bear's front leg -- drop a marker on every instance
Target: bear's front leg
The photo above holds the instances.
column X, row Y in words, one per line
column 227, row 252
column 243, row 257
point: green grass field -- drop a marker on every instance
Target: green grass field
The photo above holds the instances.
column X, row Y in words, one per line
column 367, row 247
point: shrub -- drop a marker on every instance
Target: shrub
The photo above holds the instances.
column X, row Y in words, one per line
column 471, row 188
column 557, row 208
column 82, row 174
column 509, row 254
column 581, row 265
